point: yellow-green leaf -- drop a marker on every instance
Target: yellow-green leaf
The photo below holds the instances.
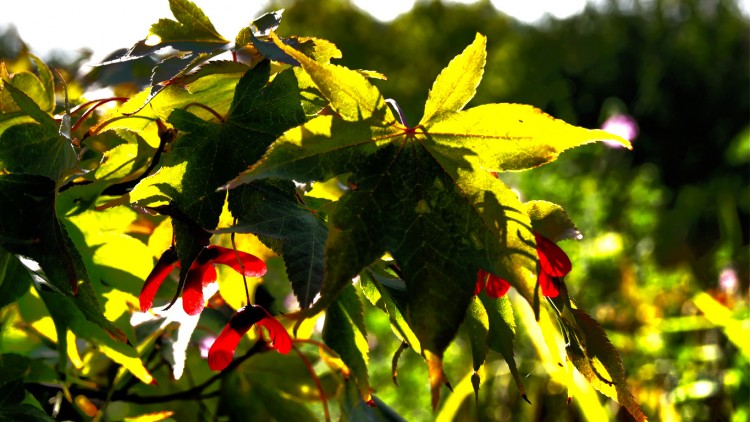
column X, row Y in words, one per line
column 503, row 137
column 191, row 25
column 344, row 332
column 457, row 83
column 351, row 95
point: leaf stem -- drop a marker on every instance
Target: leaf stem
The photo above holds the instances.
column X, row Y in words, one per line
column 99, row 126
column 316, row 380
column 316, row 343
column 96, row 104
column 207, row 108
column 189, row 394
column 242, row 267
column 399, row 112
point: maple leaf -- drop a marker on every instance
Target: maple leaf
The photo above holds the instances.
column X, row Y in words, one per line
column 424, row 194
column 269, row 208
column 208, row 154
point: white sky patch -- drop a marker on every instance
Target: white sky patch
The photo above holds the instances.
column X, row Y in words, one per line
column 105, row 26
column 530, row 11
column 384, row 10
column 102, row 26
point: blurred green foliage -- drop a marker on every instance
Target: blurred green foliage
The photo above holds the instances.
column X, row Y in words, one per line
column 663, row 225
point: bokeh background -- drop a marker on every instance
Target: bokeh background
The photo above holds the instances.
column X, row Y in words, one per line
column 663, row 263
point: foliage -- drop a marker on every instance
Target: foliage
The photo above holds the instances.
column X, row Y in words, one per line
column 284, row 156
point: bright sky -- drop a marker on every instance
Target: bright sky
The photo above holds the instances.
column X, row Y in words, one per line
column 105, row 26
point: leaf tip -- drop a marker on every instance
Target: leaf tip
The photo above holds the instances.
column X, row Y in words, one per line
column 436, row 375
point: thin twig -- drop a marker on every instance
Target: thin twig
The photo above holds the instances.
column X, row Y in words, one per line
column 242, row 267
column 189, row 394
column 208, row 109
column 316, row 380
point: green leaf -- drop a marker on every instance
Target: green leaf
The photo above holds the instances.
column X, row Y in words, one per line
column 551, row 221
column 265, row 389
column 30, row 148
column 193, row 34
column 259, row 27
column 212, row 85
column 270, row 208
column 14, row 118
column 420, row 200
column 353, row 408
column 344, row 332
column 168, row 70
column 191, row 25
column 30, row 228
column 29, row 106
column 67, row 314
column 502, row 331
column 478, row 324
column 457, row 83
column 511, row 137
column 350, row 94
column 13, row 367
column 390, row 296
column 209, row 154
column 23, row 413
column 423, row 194
column 290, row 375
column 600, row 354
column 594, row 355
column 122, row 162
column 14, row 279
column 46, row 103
column 33, row 148
column 39, row 89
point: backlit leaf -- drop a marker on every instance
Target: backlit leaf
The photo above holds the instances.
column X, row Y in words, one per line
column 600, row 352
column 270, row 208
column 390, row 295
column 478, row 324
column 191, row 25
column 350, row 94
column 40, row 89
column 209, row 154
column 457, row 83
column 353, row 408
column 504, row 137
column 551, row 221
column 35, row 148
column 344, row 332
column 420, row 193
column 30, row 228
column 502, row 331
column 14, row 279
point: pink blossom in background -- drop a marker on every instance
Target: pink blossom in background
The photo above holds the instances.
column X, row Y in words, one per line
column 205, row 344
column 728, row 280
column 622, row 125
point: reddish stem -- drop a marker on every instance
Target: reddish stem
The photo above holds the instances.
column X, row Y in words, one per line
column 316, row 343
column 316, row 380
column 96, row 104
column 242, row 267
column 99, row 127
column 207, row 108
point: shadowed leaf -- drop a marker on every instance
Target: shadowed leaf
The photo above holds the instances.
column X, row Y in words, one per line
column 344, row 332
